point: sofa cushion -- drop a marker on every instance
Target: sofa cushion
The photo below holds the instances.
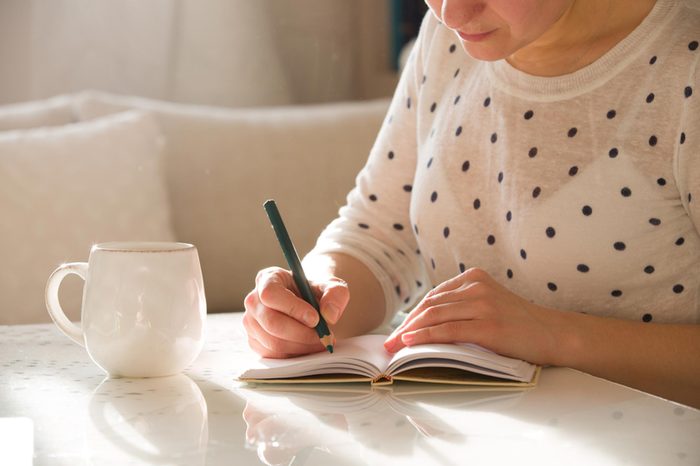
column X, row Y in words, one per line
column 222, row 164
column 63, row 189
column 55, row 111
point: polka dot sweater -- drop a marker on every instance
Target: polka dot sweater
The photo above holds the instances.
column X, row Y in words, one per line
column 576, row 192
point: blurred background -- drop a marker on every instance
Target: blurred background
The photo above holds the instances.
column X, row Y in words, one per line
column 233, row 53
column 238, row 101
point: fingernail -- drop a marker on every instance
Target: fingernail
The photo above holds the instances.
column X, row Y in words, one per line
column 389, row 346
column 390, row 343
column 408, row 338
column 331, row 312
column 311, row 319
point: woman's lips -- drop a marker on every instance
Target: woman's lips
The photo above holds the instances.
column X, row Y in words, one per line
column 474, row 37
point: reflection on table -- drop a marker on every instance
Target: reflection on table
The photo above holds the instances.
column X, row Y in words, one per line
column 154, row 420
column 205, row 417
column 288, row 422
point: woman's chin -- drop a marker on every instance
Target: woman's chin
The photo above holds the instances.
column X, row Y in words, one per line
column 483, row 52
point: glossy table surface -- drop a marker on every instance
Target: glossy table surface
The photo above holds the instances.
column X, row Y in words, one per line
column 57, row 408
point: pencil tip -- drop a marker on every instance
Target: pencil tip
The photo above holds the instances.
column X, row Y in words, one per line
column 329, row 348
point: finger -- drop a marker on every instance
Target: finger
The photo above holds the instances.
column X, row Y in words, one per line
column 464, row 331
column 252, row 415
column 469, row 291
column 335, row 296
column 433, row 316
column 279, row 347
column 442, row 313
column 280, row 450
column 255, row 335
column 471, row 275
column 279, row 325
column 263, row 351
column 275, row 291
column 253, row 418
column 440, row 292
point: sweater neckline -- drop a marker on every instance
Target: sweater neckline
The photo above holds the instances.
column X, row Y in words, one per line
column 524, row 85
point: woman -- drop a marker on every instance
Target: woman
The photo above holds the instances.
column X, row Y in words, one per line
column 538, row 164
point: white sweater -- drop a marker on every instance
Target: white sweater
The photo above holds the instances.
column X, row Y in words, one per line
column 576, row 192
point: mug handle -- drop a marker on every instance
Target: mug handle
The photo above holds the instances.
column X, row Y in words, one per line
column 71, row 330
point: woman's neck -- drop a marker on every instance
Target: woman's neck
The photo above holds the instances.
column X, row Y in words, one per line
column 584, row 33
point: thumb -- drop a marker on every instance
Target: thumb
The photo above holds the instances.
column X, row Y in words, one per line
column 335, row 296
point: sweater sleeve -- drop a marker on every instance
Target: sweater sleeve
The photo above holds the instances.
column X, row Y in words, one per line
column 688, row 147
column 375, row 226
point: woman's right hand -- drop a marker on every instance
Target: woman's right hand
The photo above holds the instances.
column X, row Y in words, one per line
column 279, row 323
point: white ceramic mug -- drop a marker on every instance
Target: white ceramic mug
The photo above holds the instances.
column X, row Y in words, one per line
column 143, row 312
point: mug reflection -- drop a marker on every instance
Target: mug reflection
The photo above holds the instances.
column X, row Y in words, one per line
column 155, row 420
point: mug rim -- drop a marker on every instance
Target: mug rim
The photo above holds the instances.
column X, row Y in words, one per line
column 142, row 246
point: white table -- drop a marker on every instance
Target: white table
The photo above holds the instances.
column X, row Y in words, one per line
column 57, row 407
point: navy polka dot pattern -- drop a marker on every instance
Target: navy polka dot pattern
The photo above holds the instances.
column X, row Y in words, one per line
column 575, row 192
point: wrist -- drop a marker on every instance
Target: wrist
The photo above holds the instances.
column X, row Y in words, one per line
column 566, row 337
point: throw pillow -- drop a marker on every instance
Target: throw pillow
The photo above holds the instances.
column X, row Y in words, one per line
column 55, row 111
column 222, row 164
column 63, row 189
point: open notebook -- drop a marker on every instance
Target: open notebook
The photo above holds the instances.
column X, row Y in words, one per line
column 364, row 359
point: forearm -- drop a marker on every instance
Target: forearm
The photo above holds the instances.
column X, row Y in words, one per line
column 662, row 359
column 366, row 309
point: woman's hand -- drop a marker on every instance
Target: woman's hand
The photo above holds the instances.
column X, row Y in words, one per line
column 473, row 308
column 279, row 323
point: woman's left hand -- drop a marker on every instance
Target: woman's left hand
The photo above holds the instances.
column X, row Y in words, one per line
column 473, row 308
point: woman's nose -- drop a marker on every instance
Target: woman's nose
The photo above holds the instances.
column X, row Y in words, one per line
column 457, row 13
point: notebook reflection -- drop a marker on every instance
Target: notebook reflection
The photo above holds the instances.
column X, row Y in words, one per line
column 285, row 423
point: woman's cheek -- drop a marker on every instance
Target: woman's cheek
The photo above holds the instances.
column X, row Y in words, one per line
column 435, row 7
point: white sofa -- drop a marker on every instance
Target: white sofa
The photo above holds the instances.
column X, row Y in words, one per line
column 94, row 167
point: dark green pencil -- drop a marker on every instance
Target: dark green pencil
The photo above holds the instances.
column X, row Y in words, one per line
column 290, row 253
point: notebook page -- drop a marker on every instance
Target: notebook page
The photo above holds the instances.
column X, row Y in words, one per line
column 363, row 355
column 456, row 355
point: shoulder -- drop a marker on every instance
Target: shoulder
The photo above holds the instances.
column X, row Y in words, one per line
column 682, row 46
column 679, row 34
column 667, row 59
column 693, row 8
column 690, row 37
